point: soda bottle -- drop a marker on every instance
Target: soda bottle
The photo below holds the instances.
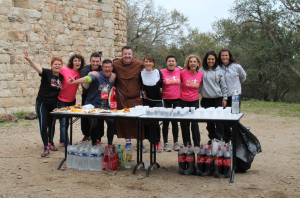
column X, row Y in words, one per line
column 120, row 154
column 209, row 162
column 227, row 163
column 200, row 169
column 115, row 162
column 181, row 160
column 107, row 159
column 128, row 154
column 104, row 97
column 113, row 99
column 218, row 172
column 235, row 103
column 190, row 161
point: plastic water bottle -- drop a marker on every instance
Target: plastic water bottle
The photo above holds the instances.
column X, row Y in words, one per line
column 235, row 103
column 75, row 157
column 92, row 157
column 70, row 156
column 86, row 154
column 99, row 161
column 128, row 153
column 80, row 158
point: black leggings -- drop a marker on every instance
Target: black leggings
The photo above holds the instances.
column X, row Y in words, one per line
column 97, row 129
column 215, row 130
column 154, row 124
column 170, row 103
column 46, row 121
column 185, row 126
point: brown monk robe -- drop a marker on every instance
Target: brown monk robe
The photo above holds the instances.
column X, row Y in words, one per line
column 128, row 86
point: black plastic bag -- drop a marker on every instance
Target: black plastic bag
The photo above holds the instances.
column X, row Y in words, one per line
column 247, row 147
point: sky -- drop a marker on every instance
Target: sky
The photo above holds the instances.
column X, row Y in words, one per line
column 201, row 13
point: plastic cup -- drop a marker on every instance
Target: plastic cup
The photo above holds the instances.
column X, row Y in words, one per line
column 152, row 112
column 162, row 112
column 148, row 112
column 193, row 110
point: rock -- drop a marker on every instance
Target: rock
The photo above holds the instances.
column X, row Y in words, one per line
column 10, row 118
column 45, row 161
column 30, row 116
column 140, row 176
column 19, row 177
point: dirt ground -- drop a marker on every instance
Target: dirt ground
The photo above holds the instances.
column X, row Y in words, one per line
column 274, row 172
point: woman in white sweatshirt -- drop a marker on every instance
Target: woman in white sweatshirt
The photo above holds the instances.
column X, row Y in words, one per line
column 213, row 92
column 235, row 75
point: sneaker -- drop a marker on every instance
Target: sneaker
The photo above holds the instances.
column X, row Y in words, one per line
column 167, row 147
column 84, row 138
column 61, row 144
column 176, row 146
column 46, row 152
column 159, row 149
column 52, row 147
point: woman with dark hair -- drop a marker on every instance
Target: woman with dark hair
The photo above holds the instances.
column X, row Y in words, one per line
column 235, row 75
column 67, row 96
column 191, row 79
column 46, row 99
column 171, row 98
column 213, row 92
column 151, row 84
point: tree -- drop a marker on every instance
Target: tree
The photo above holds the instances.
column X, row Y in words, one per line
column 267, row 44
column 149, row 27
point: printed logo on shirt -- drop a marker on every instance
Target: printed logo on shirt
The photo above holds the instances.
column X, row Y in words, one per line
column 192, row 83
column 56, row 83
column 101, row 87
column 172, row 80
column 217, row 79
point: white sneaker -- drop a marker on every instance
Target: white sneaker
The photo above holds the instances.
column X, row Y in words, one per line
column 176, row 146
column 167, row 147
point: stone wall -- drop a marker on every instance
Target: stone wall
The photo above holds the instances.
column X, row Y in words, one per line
column 51, row 28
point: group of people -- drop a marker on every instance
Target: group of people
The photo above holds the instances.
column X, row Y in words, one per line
column 138, row 83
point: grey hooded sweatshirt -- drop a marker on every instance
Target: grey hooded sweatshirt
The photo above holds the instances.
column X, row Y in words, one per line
column 214, row 85
column 234, row 75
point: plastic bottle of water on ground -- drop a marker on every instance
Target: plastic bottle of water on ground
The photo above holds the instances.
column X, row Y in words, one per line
column 75, row 157
column 235, row 103
column 99, row 163
column 70, row 156
column 92, row 158
column 80, row 158
column 86, row 157
column 128, row 154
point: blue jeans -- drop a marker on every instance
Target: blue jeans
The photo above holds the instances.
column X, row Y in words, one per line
column 63, row 121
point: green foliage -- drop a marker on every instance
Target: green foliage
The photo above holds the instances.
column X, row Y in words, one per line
column 20, row 114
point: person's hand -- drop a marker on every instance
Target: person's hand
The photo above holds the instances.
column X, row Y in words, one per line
column 94, row 73
column 112, row 77
column 26, row 56
column 71, row 80
column 224, row 103
column 144, row 95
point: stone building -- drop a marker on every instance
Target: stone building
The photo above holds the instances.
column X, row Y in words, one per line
column 52, row 28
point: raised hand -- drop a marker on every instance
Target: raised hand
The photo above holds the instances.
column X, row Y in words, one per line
column 26, row 56
column 71, row 80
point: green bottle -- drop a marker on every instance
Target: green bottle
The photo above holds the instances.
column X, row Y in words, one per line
column 120, row 153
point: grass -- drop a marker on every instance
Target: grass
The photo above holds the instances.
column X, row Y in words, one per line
column 271, row 108
column 20, row 114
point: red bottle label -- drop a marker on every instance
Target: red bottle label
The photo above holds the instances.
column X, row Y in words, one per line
column 208, row 160
column 190, row 158
column 200, row 159
column 227, row 162
column 113, row 105
column 181, row 158
column 219, row 161
column 104, row 95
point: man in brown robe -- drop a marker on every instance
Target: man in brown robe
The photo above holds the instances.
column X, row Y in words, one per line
column 128, row 86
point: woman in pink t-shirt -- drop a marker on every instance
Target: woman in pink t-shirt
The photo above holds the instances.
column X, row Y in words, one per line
column 191, row 79
column 171, row 98
column 67, row 95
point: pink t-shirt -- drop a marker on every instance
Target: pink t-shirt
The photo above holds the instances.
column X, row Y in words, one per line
column 68, row 92
column 171, row 84
column 190, row 85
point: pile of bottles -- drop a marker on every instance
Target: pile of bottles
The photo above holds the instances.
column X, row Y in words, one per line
column 207, row 163
column 83, row 156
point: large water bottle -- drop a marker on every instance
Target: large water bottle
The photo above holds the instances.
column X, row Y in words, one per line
column 128, row 154
column 80, row 158
column 75, row 157
column 70, row 155
column 86, row 157
column 235, row 103
column 94, row 156
column 99, row 162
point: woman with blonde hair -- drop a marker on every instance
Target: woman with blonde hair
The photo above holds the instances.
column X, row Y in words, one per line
column 191, row 79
